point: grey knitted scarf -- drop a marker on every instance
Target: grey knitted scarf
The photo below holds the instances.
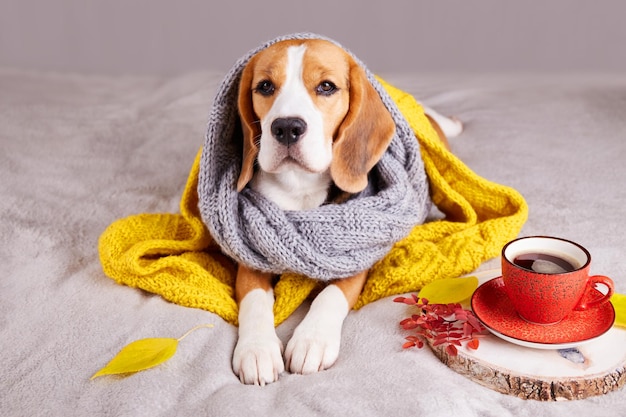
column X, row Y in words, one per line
column 328, row 242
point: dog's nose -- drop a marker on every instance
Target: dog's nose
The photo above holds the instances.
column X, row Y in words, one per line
column 288, row 130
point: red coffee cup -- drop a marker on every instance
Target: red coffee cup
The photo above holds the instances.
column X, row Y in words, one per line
column 546, row 278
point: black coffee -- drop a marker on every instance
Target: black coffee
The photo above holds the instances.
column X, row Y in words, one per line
column 544, row 263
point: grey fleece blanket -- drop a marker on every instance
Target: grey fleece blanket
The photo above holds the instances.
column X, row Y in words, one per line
column 78, row 152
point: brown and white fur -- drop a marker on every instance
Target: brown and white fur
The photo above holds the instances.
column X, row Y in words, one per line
column 313, row 128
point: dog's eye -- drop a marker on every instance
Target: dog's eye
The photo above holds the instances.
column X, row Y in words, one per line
column 265, row 87
column 326, row 88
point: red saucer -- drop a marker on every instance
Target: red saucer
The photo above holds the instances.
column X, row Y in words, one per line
column 492, row 307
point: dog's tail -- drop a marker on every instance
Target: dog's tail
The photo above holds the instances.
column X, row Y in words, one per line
column 451, row 126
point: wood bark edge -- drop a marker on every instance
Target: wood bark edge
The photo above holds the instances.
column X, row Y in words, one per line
column 529, row 387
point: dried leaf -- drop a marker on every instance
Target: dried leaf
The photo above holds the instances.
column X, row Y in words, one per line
column 406, row 300
column 451, row 350
column 409, row 325
column 449, row 291
column 619, row 303
column 447, row 325
column 139, row 355
column 473, row 321
column 407, row 345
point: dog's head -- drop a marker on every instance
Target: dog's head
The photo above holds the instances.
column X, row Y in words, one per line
column 307, row 105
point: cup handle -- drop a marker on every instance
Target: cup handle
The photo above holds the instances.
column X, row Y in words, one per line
column 595, row 298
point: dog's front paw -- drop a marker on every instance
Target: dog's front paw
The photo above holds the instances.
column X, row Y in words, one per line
column 258, row 360
column 313, row 347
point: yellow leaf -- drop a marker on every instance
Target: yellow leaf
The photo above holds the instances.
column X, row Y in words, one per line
column 139, row 355
column 143, row 354
column 619, row 303
column 452, row 290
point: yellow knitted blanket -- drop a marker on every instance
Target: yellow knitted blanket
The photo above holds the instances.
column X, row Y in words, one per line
column 174, row 256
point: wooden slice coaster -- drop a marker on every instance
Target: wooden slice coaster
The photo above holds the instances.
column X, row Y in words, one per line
column 595, row 368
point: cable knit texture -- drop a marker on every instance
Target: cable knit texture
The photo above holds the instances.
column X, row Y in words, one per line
column 176, row 256
column 329, row 242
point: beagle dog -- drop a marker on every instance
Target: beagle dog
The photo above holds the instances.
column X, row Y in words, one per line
column 313, row 127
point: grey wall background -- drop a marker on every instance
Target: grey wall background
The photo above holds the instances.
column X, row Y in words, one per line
column 166, row 37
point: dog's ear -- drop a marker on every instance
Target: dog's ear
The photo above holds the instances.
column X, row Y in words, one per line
column 363, row 136
column 249, row 125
